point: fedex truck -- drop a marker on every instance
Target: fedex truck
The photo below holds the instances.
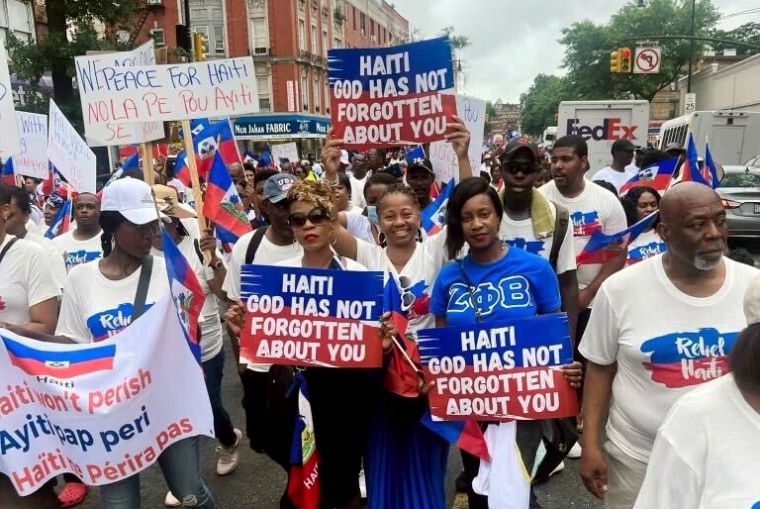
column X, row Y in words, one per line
column 600, row 123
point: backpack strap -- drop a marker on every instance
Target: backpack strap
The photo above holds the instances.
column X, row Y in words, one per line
column 197, row 245
column 138, row 308
column 561, row 224
column 7, row 248
column 253, row 245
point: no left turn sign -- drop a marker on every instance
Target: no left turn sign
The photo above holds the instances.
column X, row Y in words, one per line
column 647, row 60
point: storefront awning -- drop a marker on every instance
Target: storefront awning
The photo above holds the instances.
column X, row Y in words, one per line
column 281, row 127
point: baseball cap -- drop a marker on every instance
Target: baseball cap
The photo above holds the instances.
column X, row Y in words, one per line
column 168, row 202
column 516, row 145
column 623, row 146
column 277, row 186
column 421, row 164
column 132, row 198
column 752, row 302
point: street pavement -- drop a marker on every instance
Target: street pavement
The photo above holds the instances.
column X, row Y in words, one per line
column 258, row 482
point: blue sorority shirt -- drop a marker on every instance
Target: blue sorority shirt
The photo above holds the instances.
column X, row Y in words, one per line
column 520, row 285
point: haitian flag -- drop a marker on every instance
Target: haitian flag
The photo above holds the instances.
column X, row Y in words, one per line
column 182, row 169
column 6, row 172
column 196, row 126
column 249, row 158
column 434, row 216
column 303, row 484
column 215, row 139
column 186, row 290
column 712, row 168
column 265, row 162
column 222, row 204
column 404, row 371
column 64, row 364
column 61, row 222
column 500, row 371
column 690, row 170
column 602, row 247
column 657, row 176
column 132, row 162
column 53, row 181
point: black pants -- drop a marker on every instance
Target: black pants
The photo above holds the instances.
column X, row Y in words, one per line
column 580, row 329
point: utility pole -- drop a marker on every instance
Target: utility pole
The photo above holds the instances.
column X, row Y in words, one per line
column 691, row 43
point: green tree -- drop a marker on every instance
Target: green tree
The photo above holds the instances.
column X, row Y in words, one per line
column 587, row 56
column 539, row 104
column 490, row 116
column 458, row 42
column 748, row 32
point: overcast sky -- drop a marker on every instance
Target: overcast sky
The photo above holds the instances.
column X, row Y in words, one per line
column 513, row 41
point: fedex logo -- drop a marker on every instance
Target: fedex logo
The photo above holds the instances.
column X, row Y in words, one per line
column 611, row 129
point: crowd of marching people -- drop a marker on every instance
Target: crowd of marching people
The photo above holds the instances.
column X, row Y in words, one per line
column 652, row 320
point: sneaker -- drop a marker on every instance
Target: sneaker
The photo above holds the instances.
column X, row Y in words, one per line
column 575, row 451
column 228, row 456
column 362, row 484
column 171, row 500
column 559, row 468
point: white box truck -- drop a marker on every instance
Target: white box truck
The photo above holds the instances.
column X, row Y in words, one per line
column 600, row 123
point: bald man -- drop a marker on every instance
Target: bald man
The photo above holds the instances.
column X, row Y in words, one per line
column 658, row 329
column 237, row 173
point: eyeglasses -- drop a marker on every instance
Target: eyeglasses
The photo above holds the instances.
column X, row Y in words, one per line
column 524, row 168
column 316, row 217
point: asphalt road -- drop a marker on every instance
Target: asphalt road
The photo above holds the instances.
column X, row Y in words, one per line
column 258, row 482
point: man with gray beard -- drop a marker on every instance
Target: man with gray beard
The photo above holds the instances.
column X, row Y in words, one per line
column 657, row 330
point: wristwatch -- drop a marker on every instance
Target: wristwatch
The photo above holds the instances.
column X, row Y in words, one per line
column 217, row 265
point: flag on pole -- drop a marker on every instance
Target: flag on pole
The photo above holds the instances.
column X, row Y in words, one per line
column 222, row 204
column 187, row 292
column 690, row 170
column 304, row 488
column 53, row 181
column 215, row 139
column 415, row 156
column 61, row 222
column 657, row 176
column 466, row 435
column 602, row 247
column 434, row 215
column 249, row 158
column 182, row 169
column 712, row 168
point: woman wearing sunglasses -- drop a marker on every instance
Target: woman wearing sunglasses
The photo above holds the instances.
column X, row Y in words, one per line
column 460, row 295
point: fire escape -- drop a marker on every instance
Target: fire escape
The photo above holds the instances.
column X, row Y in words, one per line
column 144, row 9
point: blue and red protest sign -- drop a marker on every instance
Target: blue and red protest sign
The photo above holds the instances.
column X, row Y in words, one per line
column 311, row 317
column 500, row 371
column 385, row 96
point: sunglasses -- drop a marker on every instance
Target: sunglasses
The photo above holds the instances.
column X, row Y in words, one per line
column 407, row 297
column 524, row 168
column 316, row 217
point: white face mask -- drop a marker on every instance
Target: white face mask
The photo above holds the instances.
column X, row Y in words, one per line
column 372, row 215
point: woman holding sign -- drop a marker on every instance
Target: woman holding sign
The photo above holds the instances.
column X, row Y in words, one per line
column 465, row 293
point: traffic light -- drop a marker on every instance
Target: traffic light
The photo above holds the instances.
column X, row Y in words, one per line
column 615, row 62
column 183, row 38
column 199, row 47
column 626, row 64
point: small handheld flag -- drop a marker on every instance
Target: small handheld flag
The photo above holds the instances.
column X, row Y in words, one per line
column 415, row 155
column 132, row 162
column 712, row 168
column 6, row 172
column 434, row 215
column 304, row 488
column 223, row 205
column 602, row 247
column 657, row 176
column 403, row 375
column 690, row 170
column 463, row 434
column 61, row 222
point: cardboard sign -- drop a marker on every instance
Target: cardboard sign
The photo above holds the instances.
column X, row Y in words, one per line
column 102, row 411
column 500, row 371
column 10, row 141
column 116, row 94
column 310, row 317
column 385, row 96
column 443, row 157
column 69, row 153
column 114, row 133
column 287, row 151
column 32, row 160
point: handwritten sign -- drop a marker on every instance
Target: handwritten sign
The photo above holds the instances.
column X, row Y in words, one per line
column 102, row 411
column 500, row 372
column 69, row 153
column 383, row 96
column 287, row 151
column 217, row 88
column 310, row 317
column 443, row 157
column 115, row 133
column 32, row 159
column 10, row 142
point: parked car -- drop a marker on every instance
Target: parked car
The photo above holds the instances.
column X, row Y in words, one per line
column 740, row 191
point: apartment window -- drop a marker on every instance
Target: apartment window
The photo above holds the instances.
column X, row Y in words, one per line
column 158, row 37
column 337, row 43
column 372, row 27
column 363, row 23
column 301, row 35
column 355, row 16
column 265, row 101
column 219, row 39
column 260, row 36
column 325, row 45
column 327, row 96
column 314, row 40
column 317, row 95
column 304, row 93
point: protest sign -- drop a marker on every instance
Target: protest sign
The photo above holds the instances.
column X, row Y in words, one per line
column 32, row 159
column 443, row 157
column 385, row 96
column 311, row 317
column 10, row 142
column 114, row 133
column 500, row 371
column 216, row 88
column 287, row 151
column 102, row 411
column 69, row 153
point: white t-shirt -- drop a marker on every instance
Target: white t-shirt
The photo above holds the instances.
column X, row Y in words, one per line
column 26, row 280
column 707, row 453
column 520, row 234
column 614, row 177
column 76, row 252
column 211, row 324
column 646, row 245
column 54, row 257
column 664, row 342
column 267, row 254
column 360, row 227
column 595, row 208
column 95, row 308
column 357, row 191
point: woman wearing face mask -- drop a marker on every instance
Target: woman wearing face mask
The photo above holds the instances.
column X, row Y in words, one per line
column 405, row 462
column 98, row 291
column 473, row 217
column 638, row 203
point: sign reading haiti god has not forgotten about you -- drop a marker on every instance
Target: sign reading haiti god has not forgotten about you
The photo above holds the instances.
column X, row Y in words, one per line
column 385, row 96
